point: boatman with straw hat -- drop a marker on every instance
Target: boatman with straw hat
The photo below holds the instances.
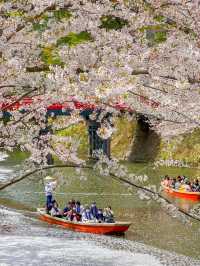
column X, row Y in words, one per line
column 50, row 186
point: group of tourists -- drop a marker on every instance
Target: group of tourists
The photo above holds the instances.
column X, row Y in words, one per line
column 73, row 210
column 181, row 183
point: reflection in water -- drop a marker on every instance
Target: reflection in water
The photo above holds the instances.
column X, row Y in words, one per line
column 185, row 204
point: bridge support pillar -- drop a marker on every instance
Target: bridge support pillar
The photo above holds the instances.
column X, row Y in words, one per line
column 95, row 142
column 45, row 131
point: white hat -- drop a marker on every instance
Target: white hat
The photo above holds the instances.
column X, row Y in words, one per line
column 49, row 178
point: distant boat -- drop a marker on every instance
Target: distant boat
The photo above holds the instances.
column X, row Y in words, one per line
column 86, row 227
column 195, row 196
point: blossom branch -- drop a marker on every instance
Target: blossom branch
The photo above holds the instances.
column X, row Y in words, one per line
column 19, row 99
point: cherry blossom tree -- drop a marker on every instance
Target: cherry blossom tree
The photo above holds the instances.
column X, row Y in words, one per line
column 142, row 53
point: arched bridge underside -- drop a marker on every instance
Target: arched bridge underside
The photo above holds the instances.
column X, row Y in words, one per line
column 146, row 143
column 95, row 142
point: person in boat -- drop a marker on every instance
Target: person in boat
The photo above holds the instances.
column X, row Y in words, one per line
column 166, row 180
column 79, row 208
column 87, row 215
column 76, row 212
column 108, row 215
column 55, row 211
column 195, row 186
column 178, row 184
column 72, row 204
column 173, row 183
column 73, row 216
column 187, row 186
column 185, row 179
column 180, row 179
column 100, row 217
column 68, row 215
column 67, row 209
column 198, row 190
column 50, row 186
column 94, row 210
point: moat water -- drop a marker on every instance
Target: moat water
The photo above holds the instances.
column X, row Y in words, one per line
column 155, row 238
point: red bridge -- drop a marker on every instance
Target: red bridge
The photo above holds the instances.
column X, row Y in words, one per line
column 13, row 104
column 65, row 108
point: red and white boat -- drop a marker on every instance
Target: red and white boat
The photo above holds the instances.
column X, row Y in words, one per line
column 195, row 196
column 86, row 227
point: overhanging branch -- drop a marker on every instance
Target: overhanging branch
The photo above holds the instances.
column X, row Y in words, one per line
column 17, row 180
column 119, row 179
column 19, row 99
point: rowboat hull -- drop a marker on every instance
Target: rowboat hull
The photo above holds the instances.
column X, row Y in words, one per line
column 195, row 196
column 94, row 228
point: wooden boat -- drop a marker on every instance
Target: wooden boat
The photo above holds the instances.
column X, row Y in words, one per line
column 195, row 196
column 94, row 228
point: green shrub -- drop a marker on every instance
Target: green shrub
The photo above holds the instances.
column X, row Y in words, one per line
column 160, row 18
column 62, row 14
column 73, row 39
column 42, row 24
column 113, row 23
column 160, row 36
column 58, row 15
column 155, row 34
column 49, row 56
column 15, row 13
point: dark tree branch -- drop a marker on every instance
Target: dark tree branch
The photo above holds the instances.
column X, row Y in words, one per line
column 154, row 88
column 18, row 100
column 120, row 179
column 140, row 72
column 146, row 72
column 123, row 180
column 19, row 28
column 16, row 180
column 40, row 68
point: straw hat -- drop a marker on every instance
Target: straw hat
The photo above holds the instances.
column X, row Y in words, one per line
column 49, row 178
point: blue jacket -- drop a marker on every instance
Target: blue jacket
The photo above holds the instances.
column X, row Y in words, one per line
column 87, row 215
column 94, row 211
column 66, row 209
column 78, row 208
column 100, row 216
